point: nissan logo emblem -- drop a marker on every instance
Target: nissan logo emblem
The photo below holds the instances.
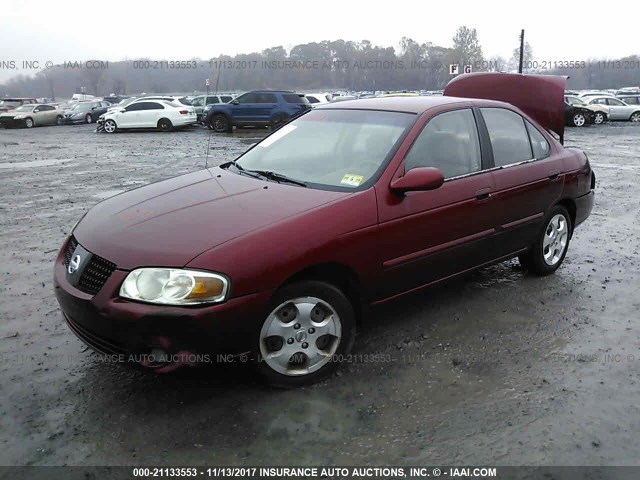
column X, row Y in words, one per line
column 74, row 264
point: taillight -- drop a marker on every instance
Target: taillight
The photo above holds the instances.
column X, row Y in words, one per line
column 184, row 112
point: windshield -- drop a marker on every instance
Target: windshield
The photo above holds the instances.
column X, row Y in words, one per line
column 340, row 148
column 24, row 108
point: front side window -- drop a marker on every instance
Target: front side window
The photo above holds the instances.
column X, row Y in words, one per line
column 211, row 100
column 331, row 148
column 248, row 98
column 508, row 135
column 449, row 142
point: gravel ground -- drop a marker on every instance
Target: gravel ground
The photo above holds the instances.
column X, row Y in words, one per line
column 498, row 367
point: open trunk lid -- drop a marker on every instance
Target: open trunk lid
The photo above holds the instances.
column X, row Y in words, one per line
column 539, row 96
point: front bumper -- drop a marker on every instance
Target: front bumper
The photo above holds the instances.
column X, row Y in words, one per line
column 114, row 326
column 72, row 121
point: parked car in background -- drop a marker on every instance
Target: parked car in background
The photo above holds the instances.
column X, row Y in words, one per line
column 316, row 99
column 31, row 115
column 114, row 99
column 258, row 108
column 201, row 102
column 601, row 112
column 278, row 253
column 85, row 112
column 594, row 93
column 618, row 110
column 630, row 99
column 577, row 115
column 158, row 114
column 182, row 100
column 9, row 103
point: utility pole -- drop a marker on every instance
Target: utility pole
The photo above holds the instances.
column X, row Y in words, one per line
column 521, row 51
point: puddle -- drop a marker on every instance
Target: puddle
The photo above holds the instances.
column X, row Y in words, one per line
column 33, row 163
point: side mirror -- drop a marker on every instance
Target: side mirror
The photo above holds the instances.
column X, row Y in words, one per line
column 418, row 179
column 123, row 111
column 36, row 110
column 235, row 102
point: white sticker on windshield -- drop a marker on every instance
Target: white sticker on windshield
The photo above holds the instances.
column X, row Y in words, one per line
column 277, row 135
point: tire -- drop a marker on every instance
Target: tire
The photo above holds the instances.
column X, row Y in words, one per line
column 28, row 122
column 278, row 120
column 88, row 118
column 220, row 123
column 59, row 120
column 579, row 120
column 635, row 117
column 550, row 248
column 165, row 125
column 110, row 126
column 307, row 355
column 599, row 118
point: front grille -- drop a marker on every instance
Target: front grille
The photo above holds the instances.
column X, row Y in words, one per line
column 96, row 274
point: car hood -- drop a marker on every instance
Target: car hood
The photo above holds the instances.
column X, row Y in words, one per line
column 539, row 96
column 170, row 222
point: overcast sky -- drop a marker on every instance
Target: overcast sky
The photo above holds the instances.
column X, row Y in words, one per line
column 58, row 31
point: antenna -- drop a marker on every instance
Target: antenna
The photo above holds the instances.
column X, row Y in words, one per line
column 206, row 158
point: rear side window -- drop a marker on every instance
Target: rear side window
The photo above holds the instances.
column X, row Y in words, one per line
column 226, row 98
column 313, row 100
column 508, row 135
column 294, row 98
column 267, row 98
column 539, row 144
column 449, row 142
column 211, row 100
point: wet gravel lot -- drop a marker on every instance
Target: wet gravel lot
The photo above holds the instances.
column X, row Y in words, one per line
column 497, row 367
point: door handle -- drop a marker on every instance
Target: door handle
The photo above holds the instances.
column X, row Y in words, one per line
column 554, row 174
column 483, row 194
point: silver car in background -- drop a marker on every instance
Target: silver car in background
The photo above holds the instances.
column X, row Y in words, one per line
column 34, row 115
column 618, row 110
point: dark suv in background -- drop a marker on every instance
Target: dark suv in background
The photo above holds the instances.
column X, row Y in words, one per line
column 258, row 108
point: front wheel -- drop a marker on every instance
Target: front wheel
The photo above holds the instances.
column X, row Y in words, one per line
column 550, row 248
column 110, row 126
column 309, row 330
column 579, row 120
column 88, row 118
column 599, row 118
column 635, row 117
column 220, row 123
column 59, row 120
column 28, row 123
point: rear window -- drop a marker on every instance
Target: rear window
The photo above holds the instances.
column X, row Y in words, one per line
column 312, row 100
column 294, row 98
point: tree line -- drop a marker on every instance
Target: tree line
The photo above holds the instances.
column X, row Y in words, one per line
column 326, row 65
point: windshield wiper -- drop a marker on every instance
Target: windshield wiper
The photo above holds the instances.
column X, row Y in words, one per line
column 276, row 177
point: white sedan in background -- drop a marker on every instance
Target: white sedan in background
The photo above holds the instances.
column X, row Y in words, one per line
column 158, row 114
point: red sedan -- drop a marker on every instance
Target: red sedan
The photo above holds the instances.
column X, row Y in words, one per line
column 278, row 253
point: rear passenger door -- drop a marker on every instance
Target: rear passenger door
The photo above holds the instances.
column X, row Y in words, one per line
column 528, row 178
column 267, row 106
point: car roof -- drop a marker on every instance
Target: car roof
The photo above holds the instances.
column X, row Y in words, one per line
column 415, row 104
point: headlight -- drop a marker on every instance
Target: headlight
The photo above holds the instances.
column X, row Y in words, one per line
column 18, row 117
column 170, row 286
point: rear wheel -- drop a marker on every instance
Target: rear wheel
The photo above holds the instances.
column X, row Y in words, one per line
column 278, row 120
column 165, row 125
column 550, row 248
column 309, row 329
column 635, row 117
column 579, row 120
column 599, row 118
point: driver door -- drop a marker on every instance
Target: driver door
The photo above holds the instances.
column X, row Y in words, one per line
column 425, row 236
